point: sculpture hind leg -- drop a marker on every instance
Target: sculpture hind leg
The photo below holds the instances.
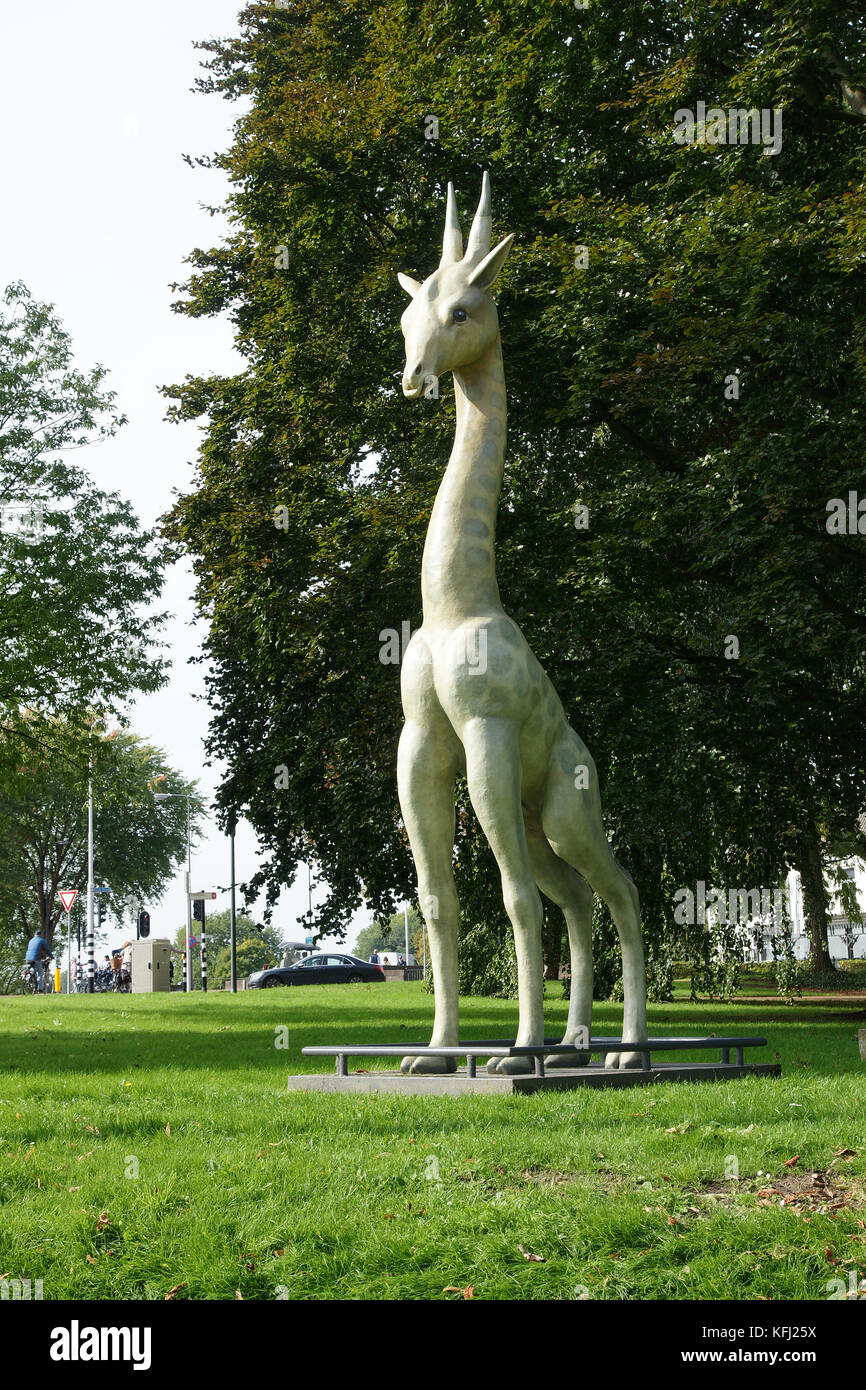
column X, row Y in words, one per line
column 571, row 820
column 427, row 762
column 565, row 887
column 493, row 774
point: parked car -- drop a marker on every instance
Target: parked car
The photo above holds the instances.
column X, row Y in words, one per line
column 330, row 969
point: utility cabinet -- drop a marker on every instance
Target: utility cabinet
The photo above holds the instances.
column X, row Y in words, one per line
column 149, row 965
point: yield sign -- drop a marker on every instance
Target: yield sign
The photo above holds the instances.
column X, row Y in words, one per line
column 68, row 896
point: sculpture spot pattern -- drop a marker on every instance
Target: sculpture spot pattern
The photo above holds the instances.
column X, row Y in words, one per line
column 476, row 557
column 477, row 528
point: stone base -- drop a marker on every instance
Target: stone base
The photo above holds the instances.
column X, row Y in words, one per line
column 562, row 1079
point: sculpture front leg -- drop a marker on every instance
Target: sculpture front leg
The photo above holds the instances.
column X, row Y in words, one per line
column 426, row 769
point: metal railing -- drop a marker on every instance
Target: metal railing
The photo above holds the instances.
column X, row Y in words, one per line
column 538, row 1051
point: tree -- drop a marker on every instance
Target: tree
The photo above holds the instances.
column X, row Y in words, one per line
column 684, row 351
column 218, row 926
column 391, row 936
column 76, row 568
column 255, row 953
column 43, row 820
column 375, row 937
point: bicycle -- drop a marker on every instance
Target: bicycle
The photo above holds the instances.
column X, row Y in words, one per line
column 30, row 980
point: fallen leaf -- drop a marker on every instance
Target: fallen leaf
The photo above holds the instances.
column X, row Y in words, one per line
column 789, row 1162
column 90, row 1260
column 171, row 1293
column 103, row 1220
column 168, row 1130
column 528, row 1255
column 239, row 1296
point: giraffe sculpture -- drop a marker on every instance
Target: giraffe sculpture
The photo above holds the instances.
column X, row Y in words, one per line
column 476, row 700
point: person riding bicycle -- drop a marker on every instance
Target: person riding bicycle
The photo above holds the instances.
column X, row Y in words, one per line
column 37, row 951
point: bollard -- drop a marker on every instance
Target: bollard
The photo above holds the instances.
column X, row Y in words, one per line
column 861, row 1036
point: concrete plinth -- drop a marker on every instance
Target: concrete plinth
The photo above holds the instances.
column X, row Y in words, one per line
column 459, row 1084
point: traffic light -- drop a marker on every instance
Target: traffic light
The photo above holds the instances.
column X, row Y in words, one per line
column 198, row 910
column 100, row 913
column 144, row 923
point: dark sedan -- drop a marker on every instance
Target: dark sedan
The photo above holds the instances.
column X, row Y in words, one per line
column 318, row 970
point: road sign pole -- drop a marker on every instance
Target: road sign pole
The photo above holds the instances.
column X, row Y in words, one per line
column 203, row 950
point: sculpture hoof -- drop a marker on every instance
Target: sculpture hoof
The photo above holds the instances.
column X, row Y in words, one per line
column 625, row 1061
column 509, row 1066
column 566, row 1059
column 428, row 1066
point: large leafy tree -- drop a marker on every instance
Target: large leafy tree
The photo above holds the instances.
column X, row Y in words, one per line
column 76, row 568
column 254, row 936
column 684, row 334
column 138, row 842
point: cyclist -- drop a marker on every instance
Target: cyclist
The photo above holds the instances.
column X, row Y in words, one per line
column 37, row 952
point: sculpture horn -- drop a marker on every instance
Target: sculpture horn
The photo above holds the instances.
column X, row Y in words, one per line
column 452, row 241
column 478, row 244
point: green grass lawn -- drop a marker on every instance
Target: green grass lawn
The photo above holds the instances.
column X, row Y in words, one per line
column 149, row 1142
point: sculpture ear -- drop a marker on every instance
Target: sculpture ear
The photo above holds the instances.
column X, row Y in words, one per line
column 486, row 273
column 409, row 285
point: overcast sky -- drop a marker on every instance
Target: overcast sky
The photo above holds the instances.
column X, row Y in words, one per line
column 96, row 110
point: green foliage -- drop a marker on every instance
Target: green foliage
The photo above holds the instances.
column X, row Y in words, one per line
column 248, row 933
column 43, row 820
column 707, row 514
column 375, row 937
column 253, row 954
column 74, row 582
column 391, row 936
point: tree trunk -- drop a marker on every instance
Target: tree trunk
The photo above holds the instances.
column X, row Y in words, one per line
column 551, row 941
column 811, row 871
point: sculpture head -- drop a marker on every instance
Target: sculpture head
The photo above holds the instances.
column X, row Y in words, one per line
column 452, row 318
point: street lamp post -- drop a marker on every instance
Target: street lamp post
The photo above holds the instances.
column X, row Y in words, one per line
column 168, row 796
column 232, row 916
column 91, row 961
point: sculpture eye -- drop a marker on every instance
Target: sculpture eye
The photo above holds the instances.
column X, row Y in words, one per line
column 459, row 315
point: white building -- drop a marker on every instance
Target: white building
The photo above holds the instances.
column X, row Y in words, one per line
column 847, row 940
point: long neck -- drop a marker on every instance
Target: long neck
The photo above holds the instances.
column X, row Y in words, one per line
column 458, row 573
